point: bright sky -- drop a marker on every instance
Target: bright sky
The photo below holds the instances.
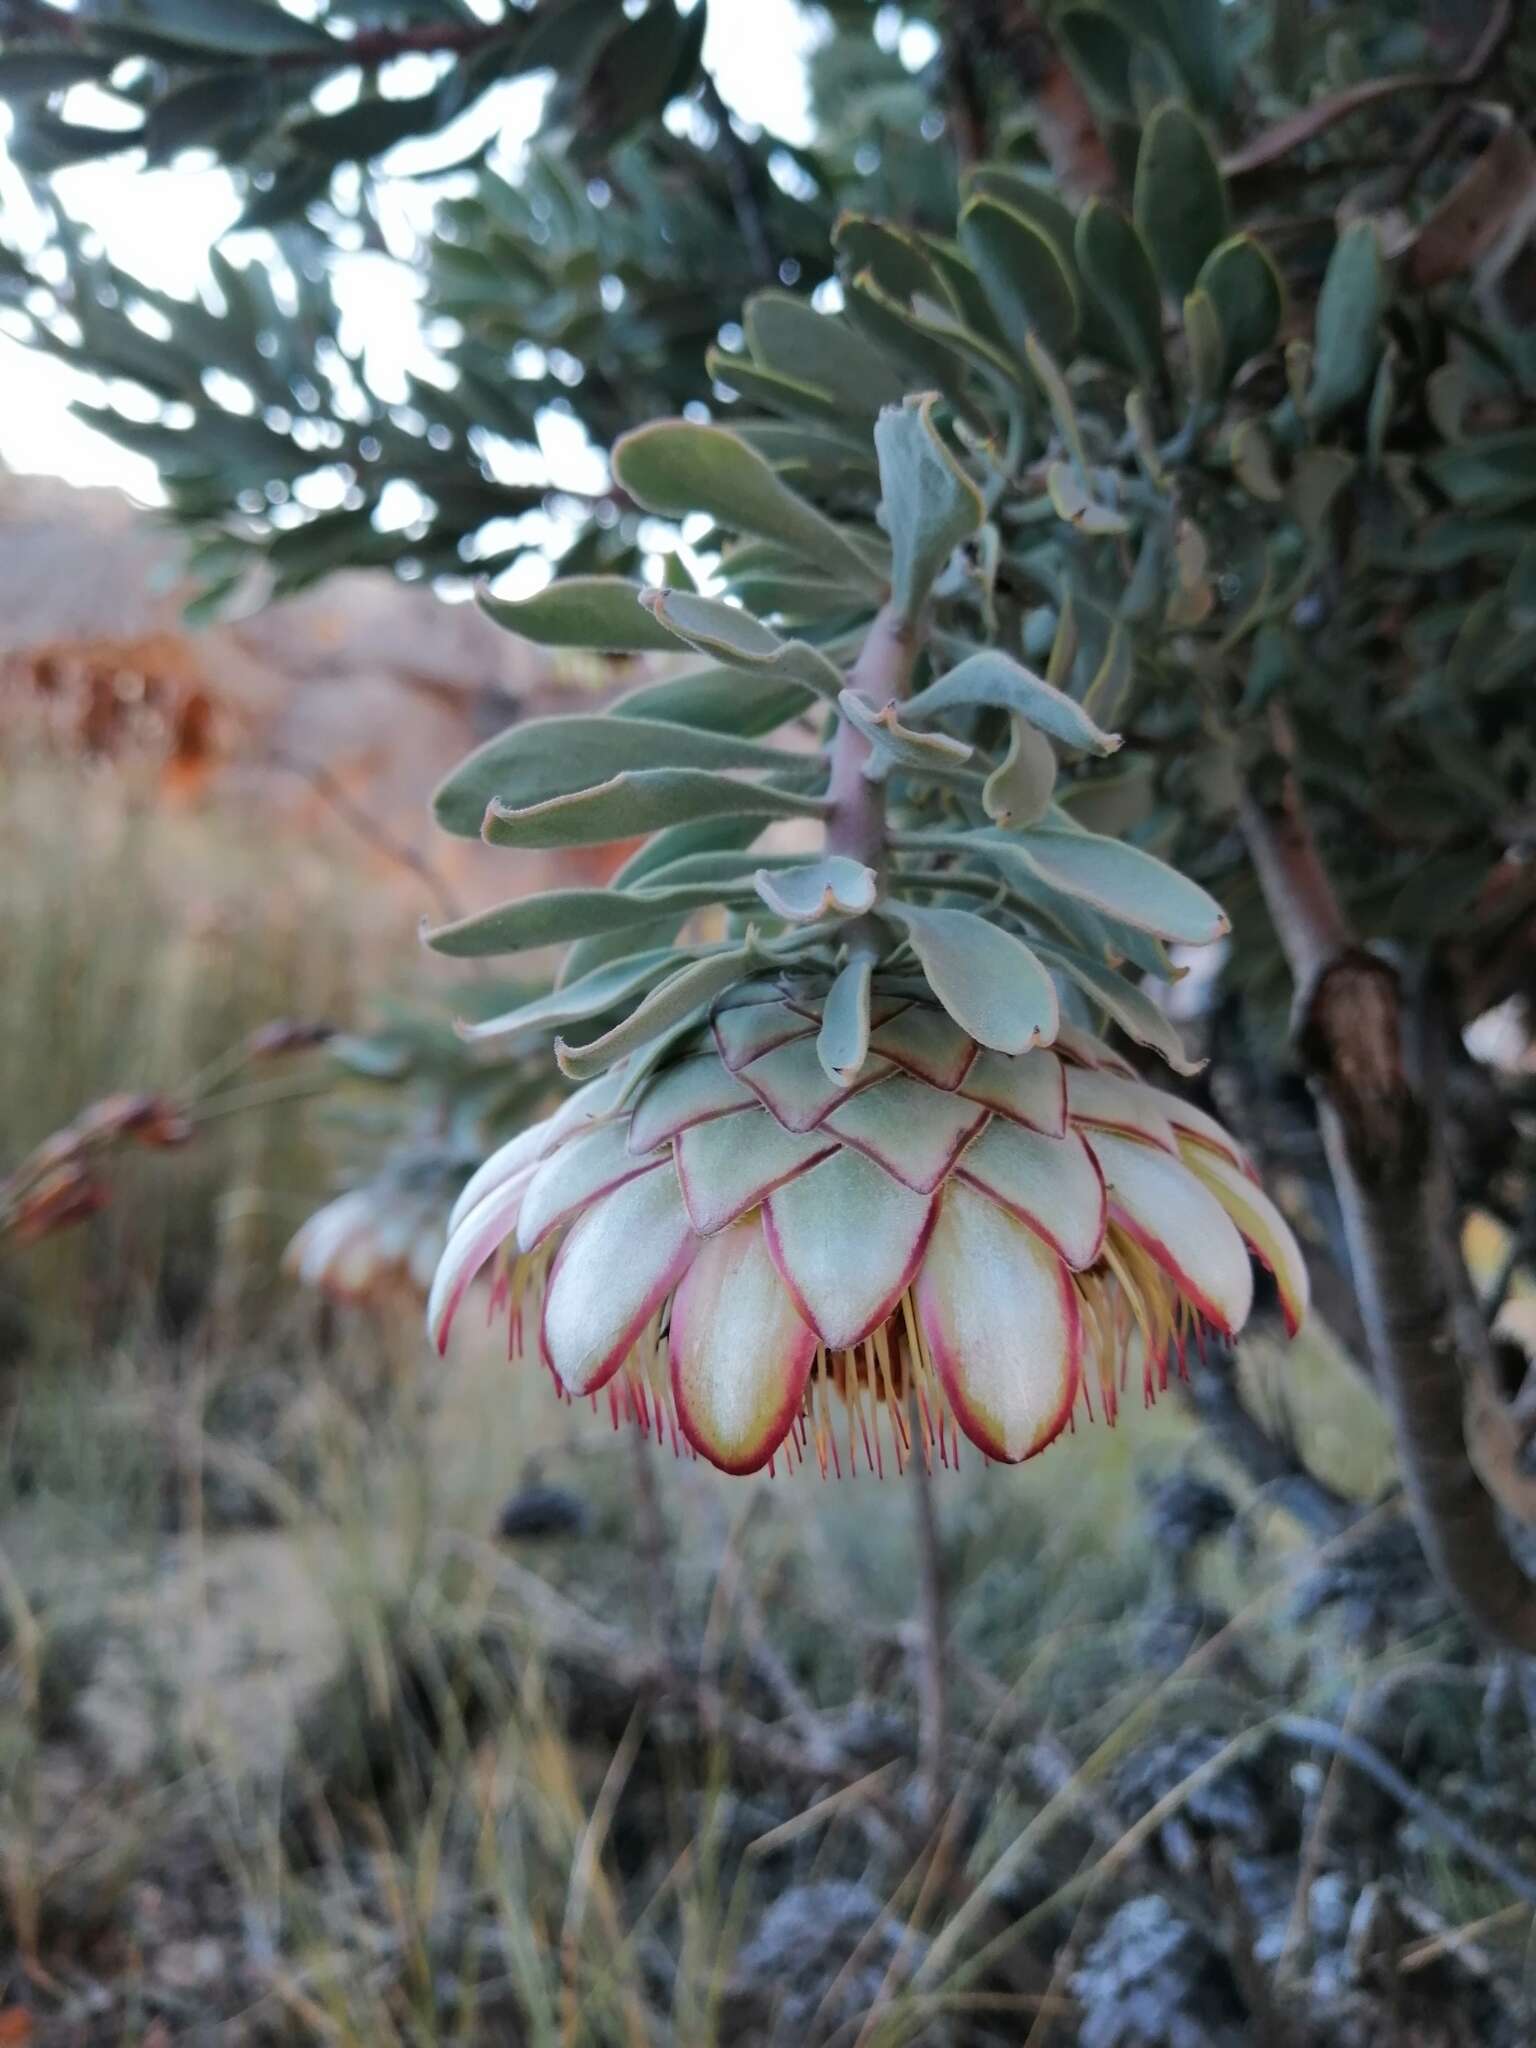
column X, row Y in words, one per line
column 159, row 224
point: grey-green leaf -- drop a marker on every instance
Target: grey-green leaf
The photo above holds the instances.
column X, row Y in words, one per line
column 895, row 744
column 990, row 677
column 1118, row 271
column 725, row 700
column 1130, row 1007
column 787, row 335
column 589, row 996
column 990, row 982
column 1242, row 283
column 1125, row 883
column 583, row 611
column 734, row 636
column 1028, row 287
column 639, row 801
column 832, row 887
column 679, row 466
column 556, row 916
column 1347, row 341
column 930, row 504
column 550, row 757
column 664, row 1008
column 842, row 1044
column 1180, row 201
column 1018, row 791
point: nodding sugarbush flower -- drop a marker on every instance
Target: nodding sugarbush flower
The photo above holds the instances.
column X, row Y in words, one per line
column 952, row 1241
column 382, row 1240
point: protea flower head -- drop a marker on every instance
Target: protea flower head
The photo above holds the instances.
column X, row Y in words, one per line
column 435, row 1097
column 772, row 1261
column 382, row 1239
column 854, row 1169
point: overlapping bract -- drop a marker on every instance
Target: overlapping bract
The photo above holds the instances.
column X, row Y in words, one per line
column 950, row 1241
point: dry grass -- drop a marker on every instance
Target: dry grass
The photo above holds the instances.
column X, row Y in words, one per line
column 293, row 1749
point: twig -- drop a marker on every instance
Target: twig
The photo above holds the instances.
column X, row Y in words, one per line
column 1274, row 143
column 330, row 791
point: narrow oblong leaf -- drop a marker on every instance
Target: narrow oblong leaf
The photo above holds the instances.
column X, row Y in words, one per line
column 556, row 916
column 1240, row 279
column 1206, row 345
column 1347, row 340
column 1129, row 1006
column 990, row 677
column 734, row 636
column 786, row 334
column 832, row 887
column 639, row 801
column 930, row 504
column 1018, row 791
column 1105, row 697
column 1028, row 287
column 1118, row 270
column 1126, row 883
column 1180, row 202
column 895, row 744
column 842, row 1044
column 667, row 1006
column 550, row 757
column 583, row 611
column 990, row 982
column 679, row 466
column 726, row 700
column 590, row 995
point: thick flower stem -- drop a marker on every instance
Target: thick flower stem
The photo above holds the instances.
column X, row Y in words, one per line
column 856, row 824
column 1384, row 1159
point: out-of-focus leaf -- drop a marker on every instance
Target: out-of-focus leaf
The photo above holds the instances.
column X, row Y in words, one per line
column 1347, row 342
column 1027, row 285
column 724, row 700
column 676, row 467
column 1115, row 265
column 1489, row 202
column 1105, row 698
column 583, row 611
column 790, row 338
column 1180, row 201
column 1243, row 285
column 29, row 72
column 1099, row 51
column 233, row 28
